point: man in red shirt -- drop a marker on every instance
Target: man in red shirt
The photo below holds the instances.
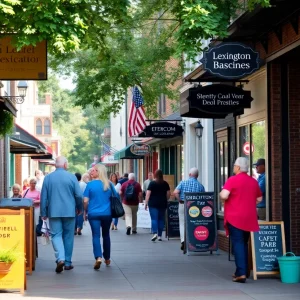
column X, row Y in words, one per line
column 241, row 193
column 131, row 194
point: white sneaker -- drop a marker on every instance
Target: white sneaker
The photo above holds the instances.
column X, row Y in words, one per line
column 159, row 239
column 154, row 238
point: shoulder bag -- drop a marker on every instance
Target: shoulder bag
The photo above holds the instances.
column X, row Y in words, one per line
column 117, row 209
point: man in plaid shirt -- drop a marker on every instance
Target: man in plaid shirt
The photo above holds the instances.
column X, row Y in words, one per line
column 191, row 185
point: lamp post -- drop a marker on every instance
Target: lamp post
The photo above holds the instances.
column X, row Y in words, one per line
column 199, row 129
column 22, row 89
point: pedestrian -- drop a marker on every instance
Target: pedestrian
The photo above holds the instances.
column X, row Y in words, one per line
column 35, row 195
column 158, row 193
column 146, row 184
column 16, row 190
column 261, row 170
column 25, row 184
column 118, row 175
column 241, row 193
column 61, row 199
column 79, row 218
column 39, row 179
column 97, row 203
column 85, row 177
column 191, row 185
column 114, row 180
column 131, row 194
column 124, row 178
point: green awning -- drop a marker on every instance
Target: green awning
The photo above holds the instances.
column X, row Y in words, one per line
column 125, row 153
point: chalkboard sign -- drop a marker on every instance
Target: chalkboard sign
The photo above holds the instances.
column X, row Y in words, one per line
column 172, row 220
column 200, row 222
column 267, row 244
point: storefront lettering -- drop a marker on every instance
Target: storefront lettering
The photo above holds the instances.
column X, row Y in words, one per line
column 163, row 129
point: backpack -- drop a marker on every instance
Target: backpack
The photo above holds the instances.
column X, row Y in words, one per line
column 130, row 194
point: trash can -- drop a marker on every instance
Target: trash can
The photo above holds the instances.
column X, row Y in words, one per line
column 289, row 268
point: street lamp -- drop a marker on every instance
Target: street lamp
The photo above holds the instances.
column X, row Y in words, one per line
column 199, row 129
column 22, row 89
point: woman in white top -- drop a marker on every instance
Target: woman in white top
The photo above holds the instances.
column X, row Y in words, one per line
column 114, row 180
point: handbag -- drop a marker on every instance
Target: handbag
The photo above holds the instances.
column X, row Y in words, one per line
column 46, row 235
column 117, row 209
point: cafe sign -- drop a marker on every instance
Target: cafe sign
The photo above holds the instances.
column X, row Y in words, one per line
column 218, row 100
column 140, row 149
column 231, row 60
column 162, row 130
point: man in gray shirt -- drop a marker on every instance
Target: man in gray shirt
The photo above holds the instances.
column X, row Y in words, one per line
column 61, row 199
column 146, row 184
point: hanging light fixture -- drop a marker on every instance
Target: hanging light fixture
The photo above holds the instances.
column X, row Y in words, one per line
column 199, row 129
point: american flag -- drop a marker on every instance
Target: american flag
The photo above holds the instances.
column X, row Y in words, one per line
column 137, row 118
column 106, row 148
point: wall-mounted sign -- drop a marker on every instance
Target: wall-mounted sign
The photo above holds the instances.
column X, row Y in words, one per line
column 29, row 63
column 162, row 130
column 231, row 60
column 140, row 149
column 109, row 159
column 217, row 101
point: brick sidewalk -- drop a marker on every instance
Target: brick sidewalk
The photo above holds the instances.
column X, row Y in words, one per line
column 145, row 270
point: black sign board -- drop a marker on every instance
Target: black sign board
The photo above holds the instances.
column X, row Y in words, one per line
column 231, row 60
column 200, row 222
column 267, row 244
column 173, row 220
column 162, row 130
column 218, row 100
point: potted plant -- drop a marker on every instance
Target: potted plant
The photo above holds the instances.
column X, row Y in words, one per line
column 7, row 258
column 6, row 123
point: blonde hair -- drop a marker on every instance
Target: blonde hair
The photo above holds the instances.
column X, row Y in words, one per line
column 33, row 180
column 102, row 173
column 85, row 177
column 16, row 186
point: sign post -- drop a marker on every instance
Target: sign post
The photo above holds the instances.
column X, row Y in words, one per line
column 12, row 241
column 172, row 220
column 200, row 222
column 266, row 245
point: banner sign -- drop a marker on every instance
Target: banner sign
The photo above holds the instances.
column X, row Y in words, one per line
column 200, row 222
column 267, row 244
column 109, row 159
column 29, row 63
column 231, row 60
column 172, row 220
column 12, row 252
column 218, row 100
column 162, row 130
column 140, row 149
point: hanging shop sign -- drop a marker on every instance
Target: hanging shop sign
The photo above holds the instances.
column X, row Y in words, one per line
column 29, row 63
column 162, row 130
column 217, row 101
column 140, row 149
column 231, row 60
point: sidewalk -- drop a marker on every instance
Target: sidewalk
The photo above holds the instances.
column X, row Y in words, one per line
column 145, row 270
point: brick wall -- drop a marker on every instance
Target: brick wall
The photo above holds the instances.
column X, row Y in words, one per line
column 294, row 126
column 18, row 169
column 223, row 241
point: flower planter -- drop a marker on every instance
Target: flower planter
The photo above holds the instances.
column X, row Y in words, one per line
column 4, row 267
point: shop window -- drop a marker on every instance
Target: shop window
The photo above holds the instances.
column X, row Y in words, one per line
column 38, row 126
column 47, row 127
column 252, row 144
column 222, row 164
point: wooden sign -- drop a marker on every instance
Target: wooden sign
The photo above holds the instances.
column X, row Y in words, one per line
column 200, row 222
column 266, row 245
column 12, row 251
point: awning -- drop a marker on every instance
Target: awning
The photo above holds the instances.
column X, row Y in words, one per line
column 125, row 153
column 109, row 159
column 22, row 142
column 6, row 104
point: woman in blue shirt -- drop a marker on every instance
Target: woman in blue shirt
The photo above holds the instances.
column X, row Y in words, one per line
column 97, row 203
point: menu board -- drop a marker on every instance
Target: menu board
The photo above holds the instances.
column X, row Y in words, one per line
column 200, row 222
column 173, row 220
column 267, row 244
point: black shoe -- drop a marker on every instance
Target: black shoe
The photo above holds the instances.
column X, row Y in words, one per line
column 60, row 266
column 241, row 279
column 134, row 232
column 154, row 238
column 128, row 230
column 182, row 246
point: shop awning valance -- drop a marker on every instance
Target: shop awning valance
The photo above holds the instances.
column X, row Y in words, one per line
column 125, row 153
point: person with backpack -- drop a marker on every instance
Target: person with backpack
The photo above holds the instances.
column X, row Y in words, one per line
column 131, row 194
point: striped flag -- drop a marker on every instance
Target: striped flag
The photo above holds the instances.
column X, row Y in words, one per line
column 137, row 118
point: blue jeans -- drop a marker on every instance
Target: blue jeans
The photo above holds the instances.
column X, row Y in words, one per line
column 97, row 222
column 157, row 219
column 239, row 240
column 62, row 234
column 115, row 221
column 79, row 221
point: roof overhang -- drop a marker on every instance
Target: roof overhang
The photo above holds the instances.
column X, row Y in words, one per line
column 125, row 153
column 8, row 105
